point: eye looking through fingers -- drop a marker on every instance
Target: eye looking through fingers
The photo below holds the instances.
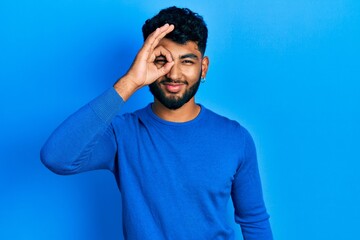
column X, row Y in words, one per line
column 160, row 61
column 161, row 55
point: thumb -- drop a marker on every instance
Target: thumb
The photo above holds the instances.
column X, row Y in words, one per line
column 166, row 68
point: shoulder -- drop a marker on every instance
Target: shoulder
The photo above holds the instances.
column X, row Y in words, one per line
column 230, row 132
column 224, row 123
column 131, row 118
column 227, row 130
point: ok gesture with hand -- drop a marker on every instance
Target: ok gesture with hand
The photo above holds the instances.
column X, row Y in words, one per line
column 143, row 70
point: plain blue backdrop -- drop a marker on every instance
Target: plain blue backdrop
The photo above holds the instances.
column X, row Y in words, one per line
column 288, row 71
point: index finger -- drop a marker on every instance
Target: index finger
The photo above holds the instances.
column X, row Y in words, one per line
column 154, row 38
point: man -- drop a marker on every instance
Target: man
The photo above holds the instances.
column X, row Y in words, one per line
column 176, row 163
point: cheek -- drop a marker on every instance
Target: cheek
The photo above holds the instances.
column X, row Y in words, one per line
column 192, row 73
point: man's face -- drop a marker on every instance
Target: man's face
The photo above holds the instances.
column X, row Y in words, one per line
column 181, row 83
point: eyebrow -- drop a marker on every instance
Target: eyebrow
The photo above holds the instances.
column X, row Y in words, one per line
column 189, row 55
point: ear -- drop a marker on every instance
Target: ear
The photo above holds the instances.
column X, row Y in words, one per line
column 204, row 66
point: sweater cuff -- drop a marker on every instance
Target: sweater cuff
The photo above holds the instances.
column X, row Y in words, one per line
column 107, row 105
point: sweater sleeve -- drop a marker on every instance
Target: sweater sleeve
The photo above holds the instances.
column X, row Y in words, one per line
column 250, row 211
column 85, row 140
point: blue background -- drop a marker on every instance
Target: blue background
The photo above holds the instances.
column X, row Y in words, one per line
column 289, row 71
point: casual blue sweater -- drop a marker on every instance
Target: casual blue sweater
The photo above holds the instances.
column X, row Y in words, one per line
column 175, row 178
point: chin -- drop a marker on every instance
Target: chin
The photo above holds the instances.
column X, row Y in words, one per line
column 173, row 101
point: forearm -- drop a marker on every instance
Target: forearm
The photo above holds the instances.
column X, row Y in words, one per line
column 71, row 146
column 251, row 214
column 257, row 231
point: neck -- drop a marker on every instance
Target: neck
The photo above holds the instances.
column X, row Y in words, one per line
column 185, row 113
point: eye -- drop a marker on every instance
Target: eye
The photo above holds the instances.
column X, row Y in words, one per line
column 160, row 61
column 188, row 62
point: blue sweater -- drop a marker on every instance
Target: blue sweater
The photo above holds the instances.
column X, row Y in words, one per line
column 175, row 178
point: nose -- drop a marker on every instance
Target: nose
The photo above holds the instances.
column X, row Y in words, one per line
column 174, row 73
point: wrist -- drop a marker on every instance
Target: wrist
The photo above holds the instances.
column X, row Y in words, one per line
column 125, row 87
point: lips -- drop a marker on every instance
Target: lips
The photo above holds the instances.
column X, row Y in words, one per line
column 173, row 87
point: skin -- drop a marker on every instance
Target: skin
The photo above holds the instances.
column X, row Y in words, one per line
column 159, row 59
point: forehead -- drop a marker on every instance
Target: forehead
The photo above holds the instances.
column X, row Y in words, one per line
column 178, row 50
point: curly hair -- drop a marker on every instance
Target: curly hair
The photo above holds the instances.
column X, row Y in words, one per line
column 189, row 26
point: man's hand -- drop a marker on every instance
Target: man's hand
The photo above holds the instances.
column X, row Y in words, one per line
column 143, row 70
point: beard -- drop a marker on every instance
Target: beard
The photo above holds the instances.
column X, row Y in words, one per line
column 173, row 102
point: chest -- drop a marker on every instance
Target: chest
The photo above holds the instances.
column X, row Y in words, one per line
column 194, row 161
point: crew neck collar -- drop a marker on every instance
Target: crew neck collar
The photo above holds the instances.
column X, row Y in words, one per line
column 162, row 121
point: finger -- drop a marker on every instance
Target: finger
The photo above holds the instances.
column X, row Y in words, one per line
column 160, row 32
column 154, row 38
column 160, row 51
column 161, row 35
column 166, row 68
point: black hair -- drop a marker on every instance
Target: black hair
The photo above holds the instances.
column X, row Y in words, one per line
column 189, row 26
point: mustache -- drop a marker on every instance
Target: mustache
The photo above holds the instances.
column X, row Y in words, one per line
column 169, row 80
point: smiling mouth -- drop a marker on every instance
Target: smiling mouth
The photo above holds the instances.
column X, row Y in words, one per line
column 173, row 87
